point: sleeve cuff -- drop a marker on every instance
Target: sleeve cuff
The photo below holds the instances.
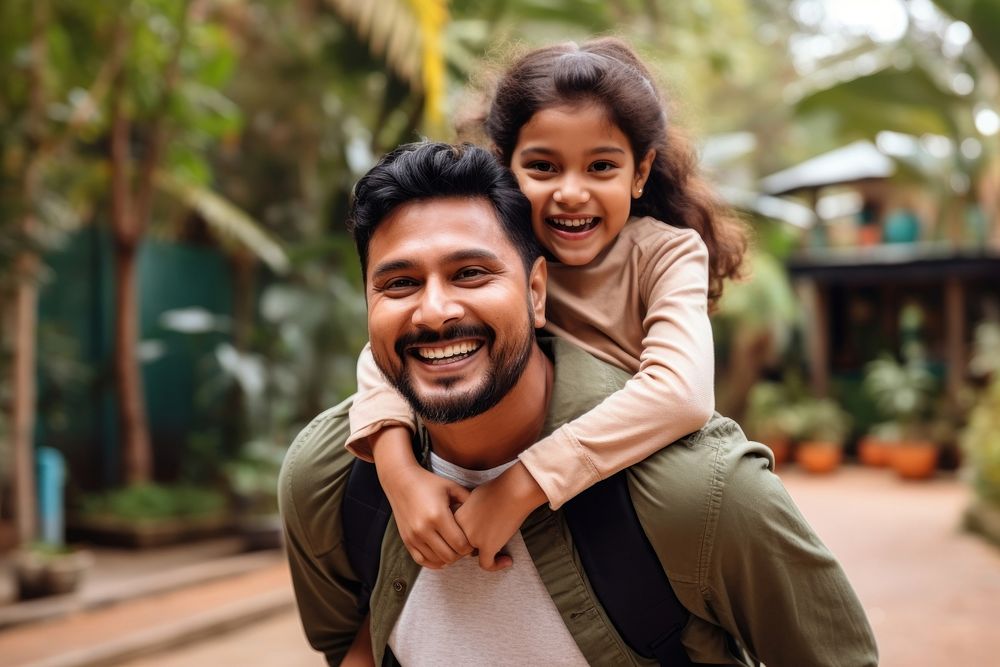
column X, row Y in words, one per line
column 560, row 466
column 357, row 443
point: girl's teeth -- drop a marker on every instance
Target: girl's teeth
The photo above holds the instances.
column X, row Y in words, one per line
column 577, row 222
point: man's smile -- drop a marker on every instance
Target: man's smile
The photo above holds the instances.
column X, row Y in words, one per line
column 451, row 350
column 446, row 353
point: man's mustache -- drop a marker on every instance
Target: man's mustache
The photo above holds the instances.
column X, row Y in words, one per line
column 454, row 332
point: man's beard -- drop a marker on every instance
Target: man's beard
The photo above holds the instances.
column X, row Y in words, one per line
column 505, row 369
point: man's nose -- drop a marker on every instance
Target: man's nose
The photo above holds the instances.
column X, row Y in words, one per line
column 437, row 306
column 571, row 191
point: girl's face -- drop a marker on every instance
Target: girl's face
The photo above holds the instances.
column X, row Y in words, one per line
column 579, row 172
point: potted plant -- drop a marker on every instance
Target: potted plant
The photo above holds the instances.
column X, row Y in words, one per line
column 875, row 447
column 771, row 419
column 902, row 392
column 822, row 430
column 42, row 569
column 253, row 482
column 148, row 515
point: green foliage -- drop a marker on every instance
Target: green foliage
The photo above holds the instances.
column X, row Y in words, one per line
column 902, row 391
column 253, row 476
column 981, row 443
column 762, row 305
column 907, row 101
column 765, row 299
column 154, row 501
column 822, row 419
column 985, row 360
column 983, row 18
column 304, row 358
column 47, row 552
column 771, row 413
column 980, row 439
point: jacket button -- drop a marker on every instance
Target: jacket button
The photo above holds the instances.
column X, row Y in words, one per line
column 398, row 585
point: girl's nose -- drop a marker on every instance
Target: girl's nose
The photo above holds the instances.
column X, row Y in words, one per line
column 571, row 192
column 436, row 307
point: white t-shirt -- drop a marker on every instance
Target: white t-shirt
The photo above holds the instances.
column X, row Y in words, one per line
column 463, row 615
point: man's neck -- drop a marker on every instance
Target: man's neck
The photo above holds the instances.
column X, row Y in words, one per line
column 505, row 430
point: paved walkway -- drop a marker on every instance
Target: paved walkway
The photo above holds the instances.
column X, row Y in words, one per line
column 932, row 592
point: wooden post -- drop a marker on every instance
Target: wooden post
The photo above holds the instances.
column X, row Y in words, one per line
column 955, row 348
column 817, row 335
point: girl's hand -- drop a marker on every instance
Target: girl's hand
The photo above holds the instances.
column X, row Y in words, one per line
column 421, row 502
column 495, row 511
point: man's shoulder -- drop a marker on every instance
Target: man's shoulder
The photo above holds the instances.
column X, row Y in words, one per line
column 313, row 476
column 682, row 491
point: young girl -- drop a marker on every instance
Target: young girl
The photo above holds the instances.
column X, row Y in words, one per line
column 638, row 249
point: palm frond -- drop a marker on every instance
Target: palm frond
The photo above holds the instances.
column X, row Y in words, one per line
column 409, row 35
column 226, row 219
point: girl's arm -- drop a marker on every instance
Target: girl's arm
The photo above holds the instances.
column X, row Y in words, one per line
column 376, row 406
column 671, row 395
column 381, row 428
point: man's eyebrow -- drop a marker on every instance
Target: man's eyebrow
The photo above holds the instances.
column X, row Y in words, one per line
column 471, row 254
column 392, row 267
column 466, row 255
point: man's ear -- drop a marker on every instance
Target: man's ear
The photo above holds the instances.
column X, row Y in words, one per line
column 536, row 291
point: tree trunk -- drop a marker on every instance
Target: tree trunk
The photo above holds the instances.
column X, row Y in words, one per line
column 752, row 350
column 137, row 454
column 137, row 449
column 131, row 208
column 25, row 308
column 23, row 401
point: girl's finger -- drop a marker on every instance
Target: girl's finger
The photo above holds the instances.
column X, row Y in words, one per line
column 453, row 534
column 494, row 562
column 443, row 553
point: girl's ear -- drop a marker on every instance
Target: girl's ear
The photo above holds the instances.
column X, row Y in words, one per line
column 536, row 291
column 642, row 173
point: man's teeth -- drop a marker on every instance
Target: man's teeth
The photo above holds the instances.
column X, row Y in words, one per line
column 574, row 222
column 452, row 350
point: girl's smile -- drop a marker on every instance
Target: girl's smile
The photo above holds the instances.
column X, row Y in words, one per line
column 579, row 172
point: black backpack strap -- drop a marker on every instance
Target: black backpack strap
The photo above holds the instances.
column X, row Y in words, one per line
column 364, row 514
column 626, row 573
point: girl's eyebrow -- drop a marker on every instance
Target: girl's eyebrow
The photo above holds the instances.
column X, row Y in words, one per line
column 593, row 151
column 607, row 149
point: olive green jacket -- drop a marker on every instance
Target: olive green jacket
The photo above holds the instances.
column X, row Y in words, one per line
column 758, row 582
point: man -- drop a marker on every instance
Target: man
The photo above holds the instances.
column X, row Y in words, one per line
column 455, row 290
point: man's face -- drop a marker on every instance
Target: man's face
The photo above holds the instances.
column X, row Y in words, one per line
column 451, row 313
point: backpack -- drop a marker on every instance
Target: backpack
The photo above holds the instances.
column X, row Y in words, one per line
column 621, row 565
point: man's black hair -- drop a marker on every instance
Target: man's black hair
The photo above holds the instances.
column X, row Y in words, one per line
column 429, row 170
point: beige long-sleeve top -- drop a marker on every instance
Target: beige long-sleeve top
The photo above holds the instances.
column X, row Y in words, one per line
column 641, row 305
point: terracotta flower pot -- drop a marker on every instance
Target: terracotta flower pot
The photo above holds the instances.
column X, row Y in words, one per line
column 818, row 457
column 914, row 459
column 875, row 452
